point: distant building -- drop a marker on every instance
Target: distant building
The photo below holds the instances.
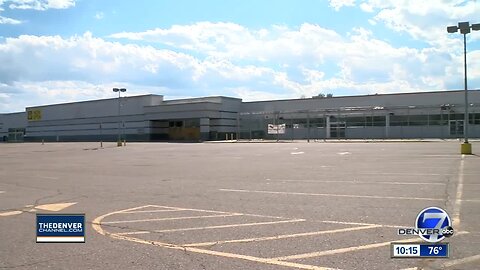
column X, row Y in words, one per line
column 151, row 118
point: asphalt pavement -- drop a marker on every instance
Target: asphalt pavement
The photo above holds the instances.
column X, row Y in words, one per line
column 290, row 205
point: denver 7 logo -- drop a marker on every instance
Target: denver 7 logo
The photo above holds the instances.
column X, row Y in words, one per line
column 433, row 218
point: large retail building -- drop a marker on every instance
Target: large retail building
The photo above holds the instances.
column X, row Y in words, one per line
column 151, row 118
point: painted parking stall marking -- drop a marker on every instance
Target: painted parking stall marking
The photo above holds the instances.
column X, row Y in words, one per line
column 106, row 224
column 53, row 207
column 328, row 195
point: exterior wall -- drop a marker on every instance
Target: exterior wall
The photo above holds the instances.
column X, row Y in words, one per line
column 92, row 120
column 217, row 116
column 149, row 117
column 12, row 121
column 411, row 115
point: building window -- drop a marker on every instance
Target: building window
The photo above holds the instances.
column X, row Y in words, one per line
column 418, row 120
column 358, row 121
column 456, row 116
column 438, row 120
column 474, row 118
column 317, row 122
column 399, row 120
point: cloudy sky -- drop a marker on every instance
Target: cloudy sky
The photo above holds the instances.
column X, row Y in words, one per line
column 54, row 51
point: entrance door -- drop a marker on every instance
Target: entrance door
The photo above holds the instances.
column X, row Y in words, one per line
column 456, row 128
column 337, row 130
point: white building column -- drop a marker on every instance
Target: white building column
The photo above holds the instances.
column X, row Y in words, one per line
column 327, row 126
column 387, row 126
column 204, row 128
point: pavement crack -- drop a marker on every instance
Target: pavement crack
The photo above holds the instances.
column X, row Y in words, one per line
column 37, row 201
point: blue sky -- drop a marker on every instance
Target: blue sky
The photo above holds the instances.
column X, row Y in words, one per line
column 55, row 51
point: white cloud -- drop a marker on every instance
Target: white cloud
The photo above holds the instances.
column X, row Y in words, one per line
column 40, row 4
column 366, row 7
column 19, row 95
column 222, row 58
column 338, row 4
column 358, row 57
column 5, row 20
column 423, row 20
column 249, row 94
column 99, row 15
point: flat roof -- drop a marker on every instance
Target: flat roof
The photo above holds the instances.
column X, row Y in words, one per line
column 367, row 95
column 93, row 100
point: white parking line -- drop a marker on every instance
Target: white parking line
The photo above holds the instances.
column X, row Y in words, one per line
column 361, row 224
column 348, row 249
column 174, row 218
column 461, row 261
column 212, row 211
column 359, row 182
column 188, row 209
column 297, row 153
column 152, row 211
column 214, row 227
column 96, row 224
column 278, row 237
column 340, row 250
column 49, row 177
column 458, row 197
column 2, row 191
column 330, row 195
column 222, row 254
column 11, row 213
column 470, row 200
column 412, row 174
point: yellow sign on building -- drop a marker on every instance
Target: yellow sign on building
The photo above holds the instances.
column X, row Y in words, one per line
column 34, row 115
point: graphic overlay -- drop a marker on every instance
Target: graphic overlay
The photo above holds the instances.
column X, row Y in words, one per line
column 60, row 228
column 437, row 220
column 432, row 225
column 415, row 250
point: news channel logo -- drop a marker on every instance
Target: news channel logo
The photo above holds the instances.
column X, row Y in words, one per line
column 433, row 224
column 60, row 228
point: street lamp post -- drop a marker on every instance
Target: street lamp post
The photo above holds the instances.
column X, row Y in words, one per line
column 119, row 90
column 465, row 28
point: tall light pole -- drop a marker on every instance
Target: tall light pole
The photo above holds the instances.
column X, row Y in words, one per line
column 464, row 28
column 119, row 90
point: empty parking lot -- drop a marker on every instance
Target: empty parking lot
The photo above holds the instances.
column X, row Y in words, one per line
column 334, row 205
